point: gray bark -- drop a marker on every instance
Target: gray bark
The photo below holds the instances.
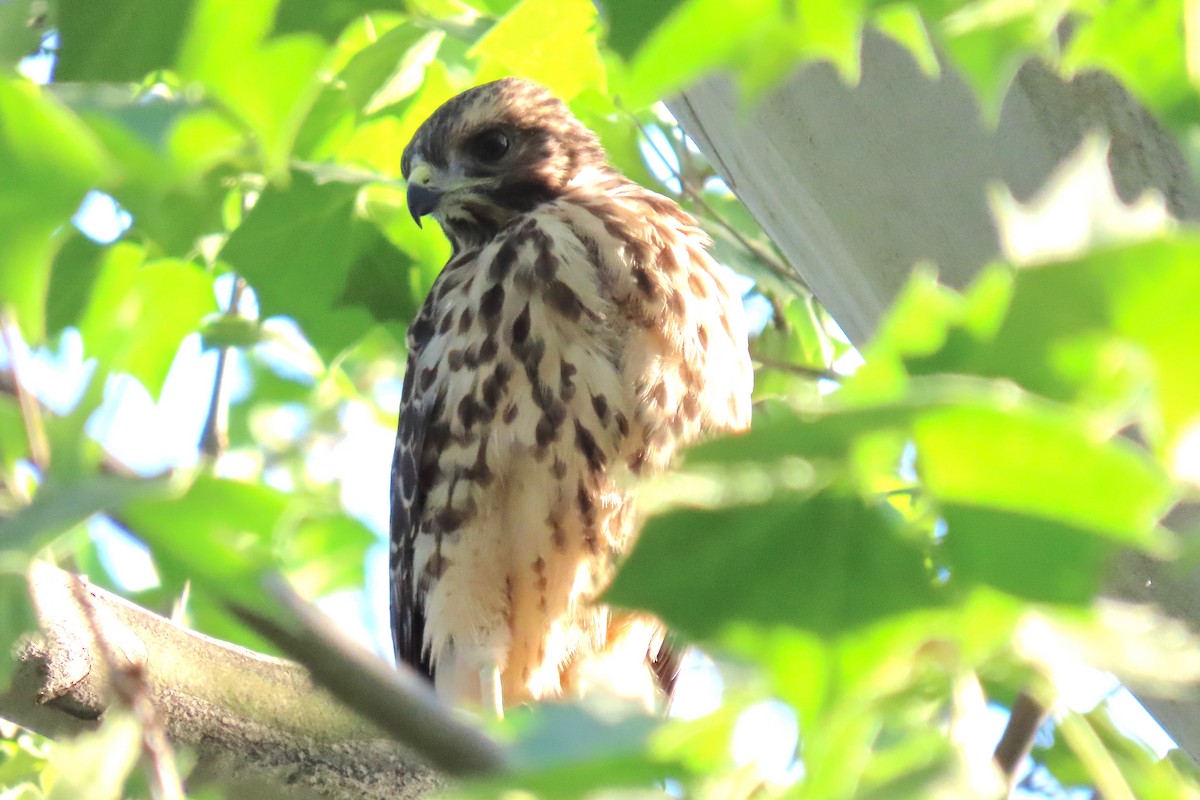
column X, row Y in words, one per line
column 857, row 184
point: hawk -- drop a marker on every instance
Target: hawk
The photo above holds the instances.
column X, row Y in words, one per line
column 578, row 335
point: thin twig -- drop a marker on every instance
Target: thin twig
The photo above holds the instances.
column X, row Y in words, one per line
column 816, row 373
column 215, row 436
column 780, row 269
column 129, row 683
column 35, row 432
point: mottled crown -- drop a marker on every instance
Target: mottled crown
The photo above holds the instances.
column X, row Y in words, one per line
column 551, row 146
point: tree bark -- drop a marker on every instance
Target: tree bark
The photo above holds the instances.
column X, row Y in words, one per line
column 257, row 725
column 857, row 184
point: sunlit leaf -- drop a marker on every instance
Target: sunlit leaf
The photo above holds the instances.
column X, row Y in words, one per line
column 100, row 43
column 853, row 566
column 296, row 248
column 326, row 553
column 631, row 21
column 1109, row 328
column 1144, row 45
column 268, row 83
column 96, row 764
column 567, row 752
column 57, row 507
column 550, row 41
column 167, row 296
column 50, row 161
column 1040, row 462
column 16, row 620
column 220, row 532
column 73, row 275
column 328, row 18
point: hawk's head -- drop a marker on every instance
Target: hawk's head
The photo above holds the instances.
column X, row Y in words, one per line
column 492, row 153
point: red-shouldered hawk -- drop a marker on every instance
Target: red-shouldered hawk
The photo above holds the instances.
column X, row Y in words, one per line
column 578, row 335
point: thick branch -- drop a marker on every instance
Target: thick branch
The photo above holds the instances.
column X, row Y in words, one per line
column 256, row 724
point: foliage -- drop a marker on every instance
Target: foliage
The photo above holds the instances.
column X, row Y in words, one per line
column 870, row 552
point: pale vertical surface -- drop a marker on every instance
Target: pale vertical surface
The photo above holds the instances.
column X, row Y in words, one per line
column 856, row 185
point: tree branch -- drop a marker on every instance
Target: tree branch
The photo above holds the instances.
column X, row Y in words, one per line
column 1024, row 721
column 258, row 725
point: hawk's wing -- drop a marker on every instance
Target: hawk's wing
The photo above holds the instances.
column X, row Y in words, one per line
column 407, row 497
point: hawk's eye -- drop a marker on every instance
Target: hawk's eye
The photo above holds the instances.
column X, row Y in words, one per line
column 489, row 145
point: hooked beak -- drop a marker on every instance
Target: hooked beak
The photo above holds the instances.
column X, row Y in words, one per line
column 422, row 197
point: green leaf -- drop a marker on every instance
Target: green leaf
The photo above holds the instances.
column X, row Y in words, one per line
column 1144, row 45
column 16, row 620
column 791, row 338
column 296, row 248
column 14, row 445
column 827, row 564
column 1043, row 462
column 326, row 553
column 566, row 751
column 232, row 331
column 631, row 21
column 550, row 41
column 326, row 18
column 681, row 49
column 268, row 84
column 218, row 532
column 76, row 268
column 166, row 296
column 379, row 279
column 101, row 42
column 383, row 73
column 1027, row 556
column 19, row 36
column 1108, row 331
column 988, row 42
column 96, row 764
column 57, row 507
column 50, row 161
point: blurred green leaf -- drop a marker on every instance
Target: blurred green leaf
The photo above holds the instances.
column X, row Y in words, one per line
column 850, row 559
column 1144, row 45
column 57, row 507
column 50, row 161
column 327, row 18
column 14, row 445
column 101, row 43
column 268, row 84
column 380, row 278
column 296, row 248
column 77, row 266
column 1027, row 556
column 16, row 621
column 19, row 35
column 564, row 752
column 680, row 49
column 326, row 553
column 1108, row 330
column 631, row 21
column 96, row 764
column 1040, row 461
column 231, row 331
column 167, row 296
column 550, row 41
column 218, row 532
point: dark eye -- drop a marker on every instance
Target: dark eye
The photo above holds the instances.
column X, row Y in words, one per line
column 489, row 145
